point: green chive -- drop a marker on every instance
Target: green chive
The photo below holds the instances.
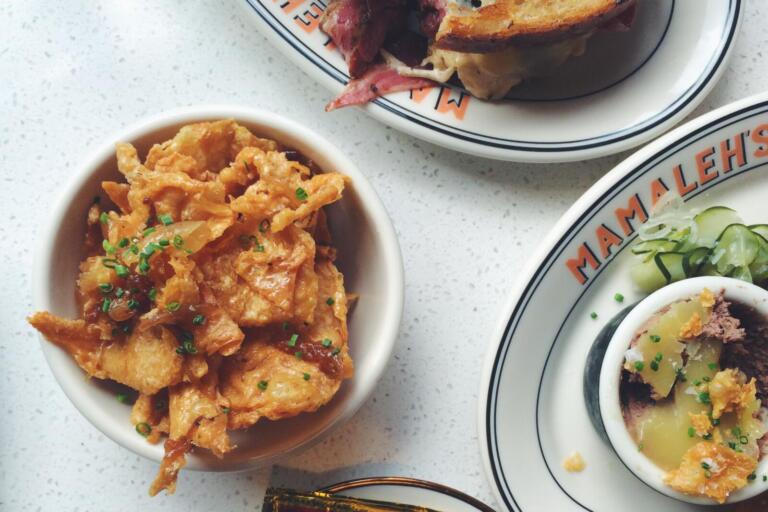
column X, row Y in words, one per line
column 198, row 320
column 697, row 382
column 144, row 429
column 122, row 271
column 681, row 374
column 618, row 297
column 715, row 422
column 104, row 218
column 707, row 436
column 330, row 301
column 655, row 365
column 639, row 365
column 301, row 194
column 152, row 294
column 259, row 248
column 593, row 315
column 225, row 410
column 293, row 340
column 134, row 249
column 655, row 338
column 133, row 304
column 105, row 305
column 124, row 242
column 144, row 266
column 732, row 445
column 691, row 431
column 173, row 306
column 164, row 242
column 751, row 477
column 704, row 398
column 149, row 231
column 743, row 439
column 263, row 385
column 307, row 376
column 108, row 247
column 299, row 354
column 712, row 366
column 119, row 292
column 705, row 465
column 165, row 219
column 122, row 398
column 186, row 336
column 659, row 356
column 765, row 478
column 736, row 431
column 335, row 351
column 178, row 241
column 109, row 262
column 706, row 379
column 106, row 287
column 327, row 342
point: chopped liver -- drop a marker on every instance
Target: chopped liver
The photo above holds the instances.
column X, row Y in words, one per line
column 751, row 355
column 722, row 324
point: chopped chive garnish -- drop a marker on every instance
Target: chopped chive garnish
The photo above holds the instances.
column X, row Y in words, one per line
column 134, row 249
column 105, row 305
column 164, row 242
column 198, row 320
column 705, row 465
column 104, row 218
column 691, row 431
column 121, row 397
column 335, row 351
column 298, row 354
column 704, row 398
column 106, row 287
column 144, row 266
column 124, row 242
column 119, row 292
column 293, row 340
column 654, row 365
column 133, row 304
column 330, row 301
column 263, row 385
column 109, row 262
column 149, row 231
column 178, row 242
column 697, row 382
column 122, row 271
column 225, row 410
column 144, row 429
column 736, row 431
column 732, row 445
column 152, row 294
column 618, row 297
column 706, row 379
column 301, row 194
column 681, row 374
column 707, row 436
column 639, row 365
column 655, row 338
column 765, row 478
column 108, row 247
column 715, row 422
column 165, row 219
column 173, row 306
column 751, row 477
column 712, row 366
column 258, row 248
column 659, row 357
column 593, row 315
column 327, row 342
column 743, row 439
column 306, row 376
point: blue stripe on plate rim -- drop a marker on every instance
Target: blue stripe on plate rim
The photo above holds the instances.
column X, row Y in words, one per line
column 729, row 33
column 756, row 106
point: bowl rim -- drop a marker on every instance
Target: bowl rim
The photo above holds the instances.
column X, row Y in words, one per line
column 610, row 407
column 75, row 386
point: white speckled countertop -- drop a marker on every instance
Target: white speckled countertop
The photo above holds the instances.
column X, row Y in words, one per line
column 73, row 71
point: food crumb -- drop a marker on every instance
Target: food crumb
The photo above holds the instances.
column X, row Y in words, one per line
column 574, row 463
column 707, row 298
column 692, row 328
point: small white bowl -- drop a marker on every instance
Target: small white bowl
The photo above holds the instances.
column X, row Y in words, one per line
column 610, row 375
column 369, row 257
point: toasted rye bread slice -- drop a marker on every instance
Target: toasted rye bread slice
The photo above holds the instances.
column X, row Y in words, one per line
column 504, row 23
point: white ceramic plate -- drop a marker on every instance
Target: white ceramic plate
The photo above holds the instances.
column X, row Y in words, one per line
column 409, row 491
column 628, row 88
column 532, row 411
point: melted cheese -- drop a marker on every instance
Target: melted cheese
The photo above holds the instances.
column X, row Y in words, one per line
column 492, row 75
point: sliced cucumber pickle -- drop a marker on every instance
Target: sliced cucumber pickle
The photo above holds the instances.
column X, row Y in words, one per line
column 711, row 223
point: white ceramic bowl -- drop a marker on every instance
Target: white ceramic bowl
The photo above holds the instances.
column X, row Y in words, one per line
column 610, row 406
column 369, row 257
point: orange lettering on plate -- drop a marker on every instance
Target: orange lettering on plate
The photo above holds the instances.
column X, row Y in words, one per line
column 446, row 104
column 728, row 152
column 309, row 20
column 658, row 189
column 683, row 187
column 704, row 165
column 418, row 95
column 289, row 5
column 634, row 210
column 607, row 239
column 760, row 136
column 584, row 257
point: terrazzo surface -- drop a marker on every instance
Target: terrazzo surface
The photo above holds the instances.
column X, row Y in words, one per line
column 71, row 72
